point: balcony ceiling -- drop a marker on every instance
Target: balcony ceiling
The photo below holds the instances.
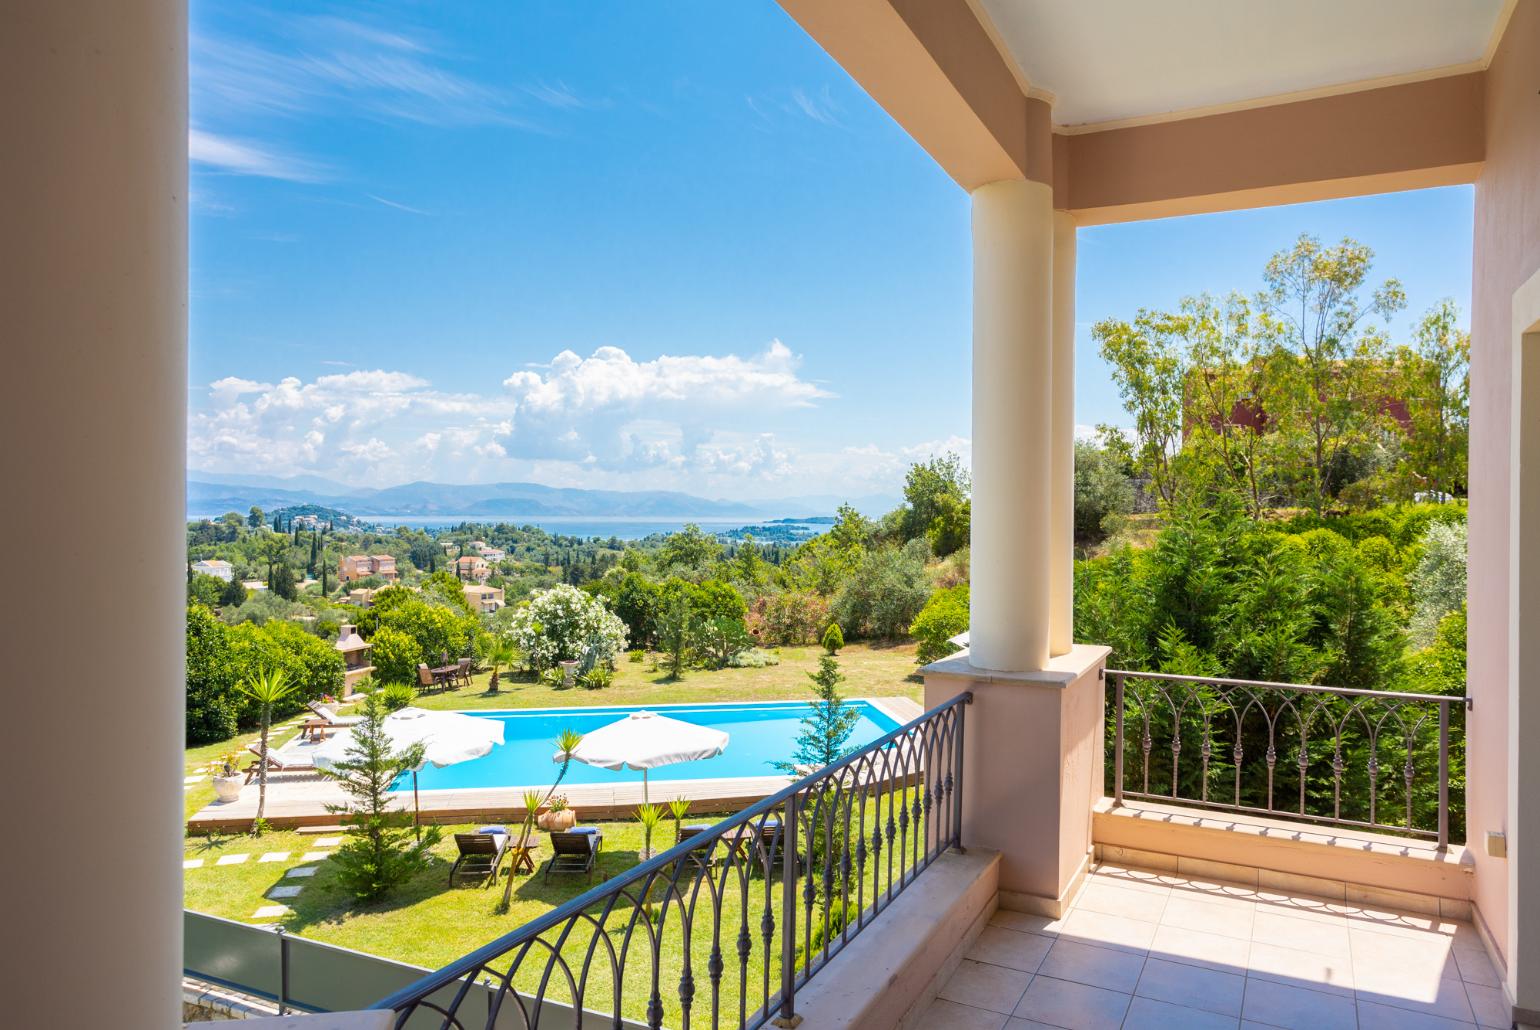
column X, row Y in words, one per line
column 1112, row 60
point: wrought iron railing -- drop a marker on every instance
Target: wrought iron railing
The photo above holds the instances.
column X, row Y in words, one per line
column 1372, row 759
column 722, row 929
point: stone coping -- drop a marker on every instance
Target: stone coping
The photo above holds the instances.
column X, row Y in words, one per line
column 1061, row 670
column 1335, row 862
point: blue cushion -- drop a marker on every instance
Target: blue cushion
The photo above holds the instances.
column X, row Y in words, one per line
column 493, row 829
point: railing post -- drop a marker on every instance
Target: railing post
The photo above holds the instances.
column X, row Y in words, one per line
column 1443, row 776
column 788, row 1015
column 957, row 776
column 283, row 971
column 1117, row 752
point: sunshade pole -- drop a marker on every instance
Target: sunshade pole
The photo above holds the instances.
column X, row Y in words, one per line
column 416, row 808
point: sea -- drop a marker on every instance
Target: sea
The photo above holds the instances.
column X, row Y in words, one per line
column 622, row 527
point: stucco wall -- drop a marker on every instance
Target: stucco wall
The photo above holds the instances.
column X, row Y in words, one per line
column 1507, row 252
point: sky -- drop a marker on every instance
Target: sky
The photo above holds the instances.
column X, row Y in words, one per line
column 623, row 245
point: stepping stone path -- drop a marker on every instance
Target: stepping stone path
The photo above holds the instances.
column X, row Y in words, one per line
column 314, row 856
column 192, row 863
column 231, row 859
column 284, row 892
column 271, row 912
column 188, row 781
column 327, row 842
column 302, row 871
column 274, row 856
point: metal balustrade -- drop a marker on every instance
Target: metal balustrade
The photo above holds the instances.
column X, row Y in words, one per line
column 722, row 929
column 1371, row 759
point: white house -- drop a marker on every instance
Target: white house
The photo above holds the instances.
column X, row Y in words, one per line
column 215, row 567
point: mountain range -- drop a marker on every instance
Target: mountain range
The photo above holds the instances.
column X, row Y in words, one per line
column 213, row 493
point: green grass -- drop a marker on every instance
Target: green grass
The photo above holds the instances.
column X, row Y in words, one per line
column 869, row 672
column 427, row 923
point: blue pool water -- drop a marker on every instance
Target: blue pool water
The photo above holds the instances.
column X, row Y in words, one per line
column 759, row 734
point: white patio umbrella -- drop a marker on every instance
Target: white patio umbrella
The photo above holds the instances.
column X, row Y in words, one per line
column 448, row 738
column 645, row 740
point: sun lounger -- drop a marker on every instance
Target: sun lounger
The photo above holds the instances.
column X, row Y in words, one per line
column 576, row 851
column 480, row 854
column 277, row 761
column 331, row 717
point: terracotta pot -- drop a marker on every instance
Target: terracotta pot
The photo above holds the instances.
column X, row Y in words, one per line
column 228, row 788
column 557, row 822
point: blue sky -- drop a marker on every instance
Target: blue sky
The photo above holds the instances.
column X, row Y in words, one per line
column 625, row 245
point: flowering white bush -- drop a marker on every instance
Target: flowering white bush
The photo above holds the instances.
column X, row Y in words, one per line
column 565, row 624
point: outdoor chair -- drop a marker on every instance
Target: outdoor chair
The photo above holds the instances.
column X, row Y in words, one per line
column 576, row 851
column 481, row 853
column 425, row 677
column 277, row 762
column 463, row 672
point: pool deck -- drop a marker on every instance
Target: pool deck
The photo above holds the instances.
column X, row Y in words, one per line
column 301, row 798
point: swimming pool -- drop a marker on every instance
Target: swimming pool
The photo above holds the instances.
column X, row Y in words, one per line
column 759, row 735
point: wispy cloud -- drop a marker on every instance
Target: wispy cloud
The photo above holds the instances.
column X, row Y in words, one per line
column 821, row 109
column 341, row 66
column 798, row 103
column 241, row 157
column 398, row 205
column 560, row 95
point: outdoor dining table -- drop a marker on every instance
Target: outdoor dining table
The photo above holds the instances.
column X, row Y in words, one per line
column 444, row 675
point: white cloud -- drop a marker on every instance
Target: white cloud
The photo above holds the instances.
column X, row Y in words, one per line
column 692, row 418
column 238, row 157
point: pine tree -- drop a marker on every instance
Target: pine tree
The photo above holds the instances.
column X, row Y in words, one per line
column 827, row 729
column 233, row 594
column 380, row 853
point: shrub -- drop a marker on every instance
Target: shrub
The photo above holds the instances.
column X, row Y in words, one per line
column 885, row 593
column 1439, row 585
column 833, row 639
column 396, row 696
column 754, row 658
column 314, row 666
column 637, row 655
column 794, row 617
column 722, row 639
column 395, row 655
column 597, row 678
column 944, row 616
column 211, row 708
column 438, row 629
column 565, row 624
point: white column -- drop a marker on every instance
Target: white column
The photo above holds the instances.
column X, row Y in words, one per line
column 1523, row 714
column 1061, row 516
column 1012, row 424
column 93, row 289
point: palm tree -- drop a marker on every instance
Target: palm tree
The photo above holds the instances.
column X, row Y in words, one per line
column 501, row 652
column 267, row 688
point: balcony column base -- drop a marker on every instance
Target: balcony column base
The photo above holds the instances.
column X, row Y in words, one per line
column 1032, row 768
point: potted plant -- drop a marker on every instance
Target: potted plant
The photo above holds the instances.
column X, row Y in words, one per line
column 569, row 670
column 557, row 817
column 227, row 777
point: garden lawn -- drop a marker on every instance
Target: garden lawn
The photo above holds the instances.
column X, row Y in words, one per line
column 869, row 672
column 427, row 923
